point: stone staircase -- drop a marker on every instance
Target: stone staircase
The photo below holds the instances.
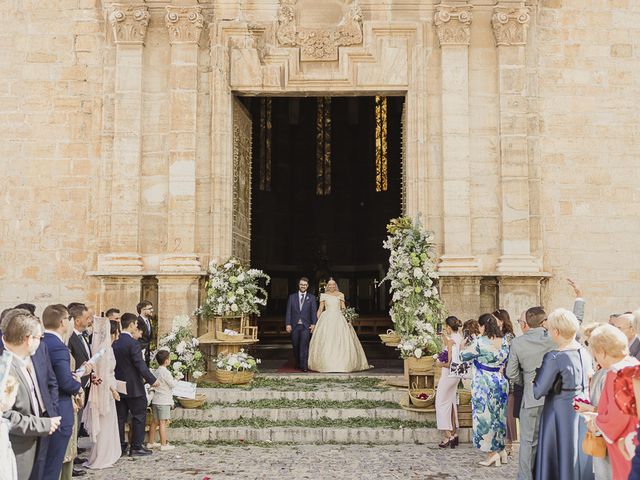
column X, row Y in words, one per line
column 331, row 410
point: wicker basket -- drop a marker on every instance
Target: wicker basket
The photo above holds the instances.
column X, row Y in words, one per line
column 224, row 337
column 193, row 402
column 418, row 402
column 389, row 337
column 234, row 378
column 464, row 396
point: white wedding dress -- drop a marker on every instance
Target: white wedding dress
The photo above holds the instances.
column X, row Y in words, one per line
column 334, row 344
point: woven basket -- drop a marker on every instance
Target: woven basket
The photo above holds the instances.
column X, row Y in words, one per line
column 389, row 337
column 418, row 402
column 464, row 396
column 224, row 337
column 234, row 378
column 193, row 402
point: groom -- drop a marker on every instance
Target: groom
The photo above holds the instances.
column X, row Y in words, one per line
column 301, row 319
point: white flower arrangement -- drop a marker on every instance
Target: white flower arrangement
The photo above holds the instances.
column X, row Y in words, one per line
column 350, row 314
column 237, row 362
column 187, row 360
column 416, row 305
column 233, row 290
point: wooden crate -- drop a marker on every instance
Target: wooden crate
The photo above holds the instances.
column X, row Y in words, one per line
column 220, row 324
column 464, row 416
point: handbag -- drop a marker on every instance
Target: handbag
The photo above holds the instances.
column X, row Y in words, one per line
column 460, row 369
column 594, row 446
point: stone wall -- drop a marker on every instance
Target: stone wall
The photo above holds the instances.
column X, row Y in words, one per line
column 68, row 128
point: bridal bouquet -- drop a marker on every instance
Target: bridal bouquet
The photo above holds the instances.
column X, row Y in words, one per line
column 416, row 306
column 186, row 360
column 237, row 362
column 350, row 314
column 233, row 290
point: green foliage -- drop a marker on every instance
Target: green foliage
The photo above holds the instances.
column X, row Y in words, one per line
column 322, row 422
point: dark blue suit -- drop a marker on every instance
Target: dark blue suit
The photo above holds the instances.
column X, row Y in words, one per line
column 49, row 392
column 67, row 387
column 130, row 368
column 300, row 320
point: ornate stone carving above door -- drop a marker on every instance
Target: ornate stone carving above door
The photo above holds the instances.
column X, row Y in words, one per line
column 332, row 24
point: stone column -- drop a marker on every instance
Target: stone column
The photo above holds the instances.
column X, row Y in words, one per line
column 461, row 295
column 453, row 26
column 119, row 291
column 510, row 22
column 516, row 294
column 185, row 23
column 129, row 22
column 177, row 295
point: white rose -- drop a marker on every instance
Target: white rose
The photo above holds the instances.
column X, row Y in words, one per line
column 234, row 308
column 418, row 352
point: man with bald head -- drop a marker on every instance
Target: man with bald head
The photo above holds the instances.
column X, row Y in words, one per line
column 626, row 324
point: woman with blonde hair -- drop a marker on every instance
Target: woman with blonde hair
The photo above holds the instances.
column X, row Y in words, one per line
column 563, row 377
column 609, row 347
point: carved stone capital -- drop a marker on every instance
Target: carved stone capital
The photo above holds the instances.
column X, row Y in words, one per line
column 129, row 22
column 453, row 24
column 510, row 25
column 184, row 23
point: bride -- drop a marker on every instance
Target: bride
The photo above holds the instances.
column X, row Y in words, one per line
column 334, row 345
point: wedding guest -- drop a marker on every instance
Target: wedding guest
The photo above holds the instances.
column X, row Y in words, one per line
column 56, row 323
column 79, row 346
column 446, row 393
column 22, row 335
column 114, row 330
column 100, row 417
column 145, row 313
column 626, row 324
column 130, row 368
column 48, row 388
column 506, row 327
column 471, row 330
column 525, row 357
column 563, row 376
column 609, row 347
column 162, row 402
column 8, row 392
column 113, row 314
column 29, row 307
column 489, row 353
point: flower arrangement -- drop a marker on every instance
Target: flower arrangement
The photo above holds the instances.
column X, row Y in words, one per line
column 442, row 357
column 237, row 362
column 186, row 360
column 233, row 290
column 350, row 314
column 416, row 306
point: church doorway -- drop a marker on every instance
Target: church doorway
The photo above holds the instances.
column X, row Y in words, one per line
column 326, row 179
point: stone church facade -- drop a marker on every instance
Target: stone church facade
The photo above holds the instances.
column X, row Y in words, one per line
column 126, row 155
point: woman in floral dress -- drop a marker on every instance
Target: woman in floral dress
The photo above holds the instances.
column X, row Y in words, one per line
column 489, row 390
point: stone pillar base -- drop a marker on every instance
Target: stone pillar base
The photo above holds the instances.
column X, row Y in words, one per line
column 461, row 296
column 518, row 264
column 517, row 294
column 453, row 263
column 120, row 263
column 177, row 295
column 180, row 263
column 121, row 292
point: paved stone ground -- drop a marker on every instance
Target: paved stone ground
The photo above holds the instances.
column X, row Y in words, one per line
column 331, row 462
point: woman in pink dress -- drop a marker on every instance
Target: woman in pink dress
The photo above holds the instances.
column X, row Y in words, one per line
column 100, row 416
column 446, row 393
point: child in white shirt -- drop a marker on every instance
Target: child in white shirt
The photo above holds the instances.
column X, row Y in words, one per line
column 162, row 402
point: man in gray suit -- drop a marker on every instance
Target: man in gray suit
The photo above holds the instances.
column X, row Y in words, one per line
column 626, row 324
column 21, row 339
column 524, row 358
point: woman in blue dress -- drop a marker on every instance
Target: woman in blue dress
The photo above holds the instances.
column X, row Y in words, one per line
column 563, row 376
column 489, row 390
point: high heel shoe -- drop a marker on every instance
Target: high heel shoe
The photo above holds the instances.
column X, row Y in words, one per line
column 453, row 441
column 446, row 444
column 503, row 457
column 491, row 461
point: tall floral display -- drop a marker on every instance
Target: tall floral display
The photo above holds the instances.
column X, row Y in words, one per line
column 233, row 290
column 416, row 306
column 187, row 362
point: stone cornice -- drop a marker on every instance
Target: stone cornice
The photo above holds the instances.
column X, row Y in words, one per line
column 510, row 25
column 129, row 22
column 184, row 23
column 453, row 24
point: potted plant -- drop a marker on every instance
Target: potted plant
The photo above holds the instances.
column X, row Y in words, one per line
column 187, row 361
column 236, row 368
column 416, row 306
column 233, row 293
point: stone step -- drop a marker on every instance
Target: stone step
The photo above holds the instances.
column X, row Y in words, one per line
column 233, row 395
column 306, row 435
column 216, row 412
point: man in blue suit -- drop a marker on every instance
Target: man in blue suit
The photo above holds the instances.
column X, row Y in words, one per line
column 55, row 319
column 131, row 368
column 301, row 318
column 48, row 384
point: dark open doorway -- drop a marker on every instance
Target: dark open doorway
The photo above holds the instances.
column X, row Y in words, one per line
column 326, row 179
